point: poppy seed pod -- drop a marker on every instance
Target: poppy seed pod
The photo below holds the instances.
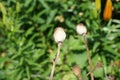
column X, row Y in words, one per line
column 81, row 29
column 59, row 35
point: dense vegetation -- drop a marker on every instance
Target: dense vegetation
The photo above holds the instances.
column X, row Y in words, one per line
column 27, row 47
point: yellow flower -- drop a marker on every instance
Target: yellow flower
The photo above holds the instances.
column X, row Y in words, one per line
column 98, row 4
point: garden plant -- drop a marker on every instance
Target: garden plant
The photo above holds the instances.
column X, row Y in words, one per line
column 59, row 39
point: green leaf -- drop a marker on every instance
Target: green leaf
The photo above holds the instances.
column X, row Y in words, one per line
column 51, row 16
column 99, row 72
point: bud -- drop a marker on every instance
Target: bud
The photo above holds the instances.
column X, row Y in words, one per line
column 76, row 70
column 81, row 29
column 59, row 34
column 107, row 14
column 98, row 4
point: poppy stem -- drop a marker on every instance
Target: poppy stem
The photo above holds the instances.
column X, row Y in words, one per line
column 89, row 58
column 55, row 60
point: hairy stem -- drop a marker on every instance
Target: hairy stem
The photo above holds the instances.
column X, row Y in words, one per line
column 79, row 78
column 89, row 58
column 55, row 61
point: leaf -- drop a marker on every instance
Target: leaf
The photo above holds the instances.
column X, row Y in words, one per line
column 2, row 74
column 99, row 72
column 69, row 76
column 78, row 58
column 116, row 21
column 3, row 59
column 51, row 16
column 29, row 31
column 96, row 46
column 2, row 9
column 44, row 4
column 109, row 49
column 70, row 24
column 27, row 3
column 28, row 72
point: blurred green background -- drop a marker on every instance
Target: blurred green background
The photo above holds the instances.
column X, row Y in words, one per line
column 27, row 47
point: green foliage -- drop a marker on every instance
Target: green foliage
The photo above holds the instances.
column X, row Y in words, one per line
column 27, row 46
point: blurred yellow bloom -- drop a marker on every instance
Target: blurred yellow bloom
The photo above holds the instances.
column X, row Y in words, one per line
column 98, row 4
